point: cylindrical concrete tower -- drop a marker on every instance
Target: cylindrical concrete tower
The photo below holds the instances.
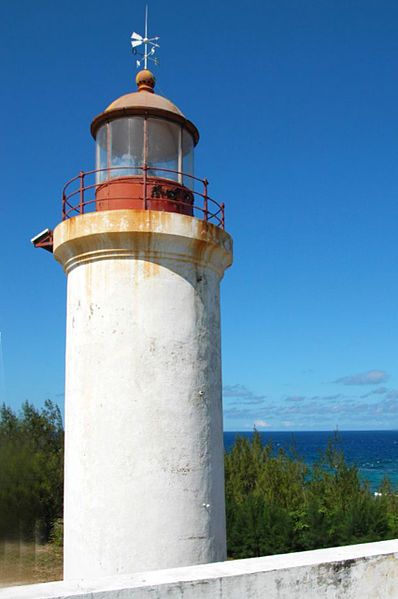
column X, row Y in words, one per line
column 144, row 250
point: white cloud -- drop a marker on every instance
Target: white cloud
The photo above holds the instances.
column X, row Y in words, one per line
column 301, row 398
column 262, row 424
column 377, row 391
column 243, row 393
column 371, row 377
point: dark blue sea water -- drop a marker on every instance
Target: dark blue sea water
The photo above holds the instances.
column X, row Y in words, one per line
column 374, row 452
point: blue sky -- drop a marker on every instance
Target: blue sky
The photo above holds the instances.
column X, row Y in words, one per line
column 297, row 105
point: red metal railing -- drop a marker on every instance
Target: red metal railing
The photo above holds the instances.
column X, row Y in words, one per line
column 79, row 194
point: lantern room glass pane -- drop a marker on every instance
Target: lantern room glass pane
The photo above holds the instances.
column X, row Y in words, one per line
column 163, row 148
column 101, row 150
column 120, row 143
column 126, row 146
column 187, row 159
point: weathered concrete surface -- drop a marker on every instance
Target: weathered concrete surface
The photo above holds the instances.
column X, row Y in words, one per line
column 368, row 571
column 144, row 478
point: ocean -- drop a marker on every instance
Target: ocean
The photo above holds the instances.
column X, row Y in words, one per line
column 375, row 453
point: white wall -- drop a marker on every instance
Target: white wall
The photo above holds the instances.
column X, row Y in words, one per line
column 368, row 571
column 144, row 464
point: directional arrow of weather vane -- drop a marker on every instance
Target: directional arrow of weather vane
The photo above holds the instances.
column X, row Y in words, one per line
column 149, row 45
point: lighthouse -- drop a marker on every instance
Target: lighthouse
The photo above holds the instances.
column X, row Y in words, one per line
column 144, row 249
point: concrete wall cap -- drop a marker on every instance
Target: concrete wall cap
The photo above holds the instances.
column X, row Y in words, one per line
column 369, row 571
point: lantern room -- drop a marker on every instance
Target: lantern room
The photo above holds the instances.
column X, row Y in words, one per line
column 144, row 160
column 144, row 152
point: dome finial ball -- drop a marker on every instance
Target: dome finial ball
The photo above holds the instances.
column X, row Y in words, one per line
column 145, row 80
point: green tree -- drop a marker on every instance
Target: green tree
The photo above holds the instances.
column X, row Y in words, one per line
column 275, row 503
column 31, row 470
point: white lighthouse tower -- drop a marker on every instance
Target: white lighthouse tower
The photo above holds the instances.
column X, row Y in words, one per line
column 144, row 249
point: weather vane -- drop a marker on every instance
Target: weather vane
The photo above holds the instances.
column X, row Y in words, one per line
column 150, row 44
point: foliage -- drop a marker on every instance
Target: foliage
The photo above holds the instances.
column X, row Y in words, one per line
column 276, row 504
column 31, row 471
column 57, row 533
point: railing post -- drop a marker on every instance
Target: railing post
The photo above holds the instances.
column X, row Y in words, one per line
column 145, row 157
column 205, row 206
column 145, row 185
column 81, row 194
column 63, row 205
column 222, row 216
